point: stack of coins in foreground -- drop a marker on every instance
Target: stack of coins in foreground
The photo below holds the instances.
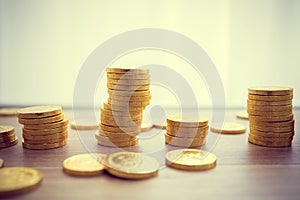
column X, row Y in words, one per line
column 7, row 136
column 121, row 116
column 271, row 117
column 45, row 127
column 186, row 131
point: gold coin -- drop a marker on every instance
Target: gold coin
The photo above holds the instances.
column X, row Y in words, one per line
column 187, row 132
column 228, row 128
column 122, row 108
column 266, row 113
column 130, row 82
column 184, row 142
column 109, row 143
column 45, row 140
column 16, row 180
column 252, row 103
column 272, row 124
column 121, row 113
column 39, row 112
column 103, row 115
column 191, row 159
column 123, row 138
column 272, row 129
column 130, row 165
column 131, row 123
column 283, row 118
column 270, row 98
column 45, row 120
column 270, row 139
column 7, row 138
column 269, row 144
column 128, row 103
column 84, row 124
column 272, row 134
column 44, row 146
column 53, row 125
column 268, row 108
column 130, row 99
column 117, row 129
column 84, row 165
column 9, row 143
column 1, row 163
column 46, row 131
column 127, row 76
column 128, row 94
column 45, row 137
column 242, row 115
column 145, row 87
column 270, row 90
column 6, row 130
column 127, row 71
column 187, row 120
column 8, row 112
column 128, row 135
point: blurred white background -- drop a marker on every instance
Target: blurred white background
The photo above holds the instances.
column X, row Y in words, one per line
column 43, row 44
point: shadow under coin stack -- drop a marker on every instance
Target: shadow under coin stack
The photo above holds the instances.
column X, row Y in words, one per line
column 7, row 136
column 186, row 131
column 45, row 127
column 271, row 118
column 121, row 116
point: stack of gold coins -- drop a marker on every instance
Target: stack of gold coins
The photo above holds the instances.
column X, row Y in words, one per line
column 186, row 130
column 7, row 136
column 45, row 127
column 271, row 116
column 121, row 116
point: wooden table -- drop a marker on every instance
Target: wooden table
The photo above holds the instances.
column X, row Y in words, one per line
column 244, row 171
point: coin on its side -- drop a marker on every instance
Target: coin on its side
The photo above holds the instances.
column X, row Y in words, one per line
column 130, row 165
column 84, row 165
column 190, row 159
column 15, row 180
column 228, row 128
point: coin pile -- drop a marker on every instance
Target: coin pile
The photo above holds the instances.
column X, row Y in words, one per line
column 45, row 127
column 186, row 130
column 271, row 117
column 7, row 137
column 121, row 116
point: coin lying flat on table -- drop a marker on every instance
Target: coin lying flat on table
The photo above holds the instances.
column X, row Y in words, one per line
column 228, row 128
column 190, row 159
column 146, row 125
column 84, row 165
column 130, row 165
column 84, row 124
column 242, row 115
column 15, row 180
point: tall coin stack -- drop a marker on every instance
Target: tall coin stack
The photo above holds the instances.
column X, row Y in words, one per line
column 45, row 127
column 271, row 116
column 121, row 116
column 186, row 131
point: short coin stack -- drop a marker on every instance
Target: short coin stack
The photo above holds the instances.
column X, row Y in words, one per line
column 45, row 127
column 186, row 130
column 121, row 116
column 271, row 117
column 7, row 136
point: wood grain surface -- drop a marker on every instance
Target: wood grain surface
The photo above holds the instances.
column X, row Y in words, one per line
column 244, row 171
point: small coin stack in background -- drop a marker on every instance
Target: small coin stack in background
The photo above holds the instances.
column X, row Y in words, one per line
column 7, row 136
column 271, row 118
column 186, row 131
column 121, row 116
column 45, row 127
